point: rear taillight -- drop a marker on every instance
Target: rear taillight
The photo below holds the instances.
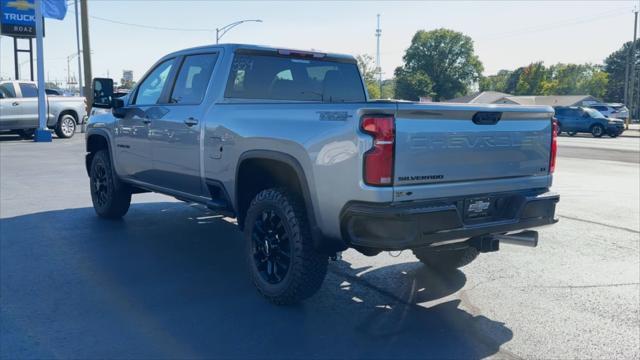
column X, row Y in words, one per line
column 378, row 161
column 554, row 145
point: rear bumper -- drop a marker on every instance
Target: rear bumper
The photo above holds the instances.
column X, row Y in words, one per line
column 414, row 224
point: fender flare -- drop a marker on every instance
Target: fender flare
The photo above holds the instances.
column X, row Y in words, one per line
column 321, row 242
column 104, row 134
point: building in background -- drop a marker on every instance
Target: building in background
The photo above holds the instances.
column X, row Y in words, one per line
column 494, row 97
column 127, row 82
column 127, row 75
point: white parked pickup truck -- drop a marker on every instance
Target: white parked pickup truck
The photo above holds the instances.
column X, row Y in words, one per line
column 19, row 110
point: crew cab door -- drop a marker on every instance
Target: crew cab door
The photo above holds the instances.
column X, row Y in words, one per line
column 133, row 147
column 28, row 104
column 10, row 109
column 175, row 137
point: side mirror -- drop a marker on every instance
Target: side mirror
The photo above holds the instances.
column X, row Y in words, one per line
column 102, row 92
column 117, row 108
column 1, row 95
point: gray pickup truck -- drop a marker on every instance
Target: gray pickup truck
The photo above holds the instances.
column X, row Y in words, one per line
column 288, row 143
column 19, row 110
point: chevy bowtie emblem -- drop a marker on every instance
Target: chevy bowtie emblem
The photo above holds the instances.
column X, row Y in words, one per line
column 21, row 5
column 478, row 206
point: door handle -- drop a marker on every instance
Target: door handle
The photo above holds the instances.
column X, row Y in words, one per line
column 191, row 121
column 15, row 103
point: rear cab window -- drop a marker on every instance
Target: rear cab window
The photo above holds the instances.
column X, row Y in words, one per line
column 289, row 78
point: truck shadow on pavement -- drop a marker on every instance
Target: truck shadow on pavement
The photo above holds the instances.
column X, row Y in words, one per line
column 170, row 281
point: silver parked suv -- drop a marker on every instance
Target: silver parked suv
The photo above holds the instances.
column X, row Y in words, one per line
column 287, row 142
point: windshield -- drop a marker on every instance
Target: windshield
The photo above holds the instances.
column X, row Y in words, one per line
column 594, row 113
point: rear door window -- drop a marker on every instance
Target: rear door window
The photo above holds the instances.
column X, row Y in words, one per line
column 267, row 77
column 193, row 79
column 28, row 90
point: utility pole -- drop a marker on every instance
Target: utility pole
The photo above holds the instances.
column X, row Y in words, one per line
column 75, row 4
column 378, row 67
column 632, row 66
column 86, row 52
column 42, row 134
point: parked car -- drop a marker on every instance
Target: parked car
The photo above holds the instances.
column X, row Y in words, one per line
column 614, row 110
column 287, row 142
column 19, row 110
column 54, row 92
column 573, row 120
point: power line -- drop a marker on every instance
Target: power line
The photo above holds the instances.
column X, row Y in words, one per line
column 546, row 27
column 149, row 26
column 553, row 26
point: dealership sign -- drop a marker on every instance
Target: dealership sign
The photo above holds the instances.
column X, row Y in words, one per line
column 18, row 18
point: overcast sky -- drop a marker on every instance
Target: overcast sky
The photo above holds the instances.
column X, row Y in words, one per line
column 506, row 34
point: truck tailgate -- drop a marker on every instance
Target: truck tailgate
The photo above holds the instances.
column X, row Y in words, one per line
column 450, row 143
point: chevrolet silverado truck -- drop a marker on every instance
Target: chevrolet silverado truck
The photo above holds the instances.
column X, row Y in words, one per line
column 19, row 110
column 289, row 144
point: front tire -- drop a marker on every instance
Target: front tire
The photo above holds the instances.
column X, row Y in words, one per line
column 282, row 261
column 110, row 197
column 66, row 126
column 597, row 131
column 446, row 259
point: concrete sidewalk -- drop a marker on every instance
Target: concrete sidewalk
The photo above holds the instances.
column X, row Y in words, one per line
column 633, row 131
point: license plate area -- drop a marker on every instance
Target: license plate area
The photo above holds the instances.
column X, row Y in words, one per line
column 479, row 208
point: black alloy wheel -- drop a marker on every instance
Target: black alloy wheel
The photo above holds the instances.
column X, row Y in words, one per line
column 271, row 247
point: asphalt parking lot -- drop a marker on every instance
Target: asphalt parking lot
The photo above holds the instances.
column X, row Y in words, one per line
column 169, row 281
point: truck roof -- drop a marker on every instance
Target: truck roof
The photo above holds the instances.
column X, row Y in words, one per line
column 234, row 46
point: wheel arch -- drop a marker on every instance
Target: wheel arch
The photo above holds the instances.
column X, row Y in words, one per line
column 292, row 171
column 69, row 112
column 253, row 160
column 97, row 140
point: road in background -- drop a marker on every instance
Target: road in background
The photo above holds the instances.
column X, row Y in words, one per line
column 169, row 281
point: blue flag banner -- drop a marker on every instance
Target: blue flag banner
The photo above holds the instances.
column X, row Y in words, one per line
column 54, row 9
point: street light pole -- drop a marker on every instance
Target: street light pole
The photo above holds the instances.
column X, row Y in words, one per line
column 223, row 30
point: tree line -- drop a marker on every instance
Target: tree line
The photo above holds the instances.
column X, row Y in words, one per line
column 442, row 64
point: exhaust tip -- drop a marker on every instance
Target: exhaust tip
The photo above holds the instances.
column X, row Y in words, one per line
column 526, row 238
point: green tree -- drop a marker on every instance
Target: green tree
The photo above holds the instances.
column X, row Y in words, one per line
column 388, row 89
column 596, row 84
column 126, row 84
column 440, row 63
column 412, row 85
column 531, row 79
column 368, row 71
column 496, row 82
column 615, row 66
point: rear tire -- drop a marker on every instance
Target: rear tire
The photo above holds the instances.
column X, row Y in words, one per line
column 282, row 261
column 597, row 131
column 446, row 259
column 27, row 134
column 66, row 126
column 111, row 198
